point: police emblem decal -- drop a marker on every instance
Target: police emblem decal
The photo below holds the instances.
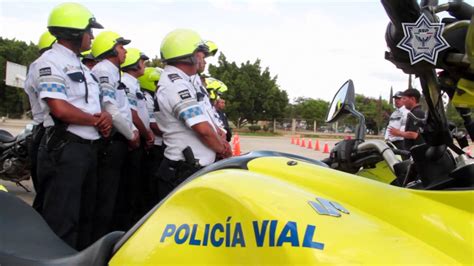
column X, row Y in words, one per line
column 423, row 40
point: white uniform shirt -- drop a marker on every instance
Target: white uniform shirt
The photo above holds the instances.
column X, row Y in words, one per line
column 31, row 83
column 63, row 76
column 179, row 111
column 398, row 120
column 109, row 78
column 205, row 103
column 136, row 99
column 150, row 105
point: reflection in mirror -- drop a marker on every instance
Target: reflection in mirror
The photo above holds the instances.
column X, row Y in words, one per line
column 338, row 102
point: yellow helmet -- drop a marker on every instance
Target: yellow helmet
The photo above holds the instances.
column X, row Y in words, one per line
column 104, row 44
column 133, row 56
column 180, row 45
column 149, row 78
column 87, row 55
column 46, row 41
column 215, row 87
column 212, row 48
column 71, row 20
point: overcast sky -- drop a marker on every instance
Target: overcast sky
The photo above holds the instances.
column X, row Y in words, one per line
column 313, row 46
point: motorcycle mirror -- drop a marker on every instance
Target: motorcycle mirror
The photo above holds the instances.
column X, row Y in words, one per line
column 342, row 102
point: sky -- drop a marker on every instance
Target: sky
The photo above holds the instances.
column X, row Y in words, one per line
column 312, row 46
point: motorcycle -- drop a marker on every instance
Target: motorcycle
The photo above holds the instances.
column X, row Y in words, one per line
column 378, row 160
column 14, row 159
column 276, row 208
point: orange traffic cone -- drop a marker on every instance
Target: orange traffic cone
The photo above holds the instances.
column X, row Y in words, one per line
column 316, row 145
column 292, row 140
column 326, row 148
column 310, row 145
column 303, row 144
column 236, row 148
column 297, row 140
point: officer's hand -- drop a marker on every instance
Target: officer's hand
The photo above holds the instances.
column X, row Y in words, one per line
column 226, row 152
column 150, row 140
column 104, row 123
column 135, row 141
column 394, row 132
column 222, row 134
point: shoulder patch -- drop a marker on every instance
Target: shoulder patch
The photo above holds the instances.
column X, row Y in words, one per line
column 174, row 77
column 184, row 94
column 104, row 80
column 46, row 71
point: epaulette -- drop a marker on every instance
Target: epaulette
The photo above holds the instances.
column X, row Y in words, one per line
column 174, row 77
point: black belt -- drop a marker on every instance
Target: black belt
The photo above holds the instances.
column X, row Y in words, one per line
column 75, row 138
column 176, row 164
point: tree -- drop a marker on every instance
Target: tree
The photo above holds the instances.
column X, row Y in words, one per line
column 155, row 62
column 13, row 101
column 253, row 93
column 376, row 112
column 309, row 109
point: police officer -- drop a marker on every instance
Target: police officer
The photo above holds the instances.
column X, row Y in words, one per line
column 220, row 106
column 67, row 157
column 215, row 88
column 149, row 84
column 397, row 120
column 203, row 94
column 45, row 42
column 109, row 47
column 411, row 135
column 133, row 182
column 191, row 141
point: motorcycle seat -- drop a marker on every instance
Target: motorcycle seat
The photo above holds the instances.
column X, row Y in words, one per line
column 26, row 239
column 6, row 137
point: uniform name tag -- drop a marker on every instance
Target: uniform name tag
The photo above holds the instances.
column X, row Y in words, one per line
column 46, row 71
column 184, row 94
column 174, row 77
column 104, row 80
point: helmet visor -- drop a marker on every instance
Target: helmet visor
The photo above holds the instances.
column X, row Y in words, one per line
column 144, row 56
column 122, row 41
column 94, row 24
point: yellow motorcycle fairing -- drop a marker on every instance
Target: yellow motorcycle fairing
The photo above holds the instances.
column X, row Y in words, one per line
column 381, row 173
column 286, row 211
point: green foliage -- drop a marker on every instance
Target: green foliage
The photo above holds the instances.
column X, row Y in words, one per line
column 13, row 101
column 253, row 93
column 155, row 62
column 254, row 128
column 376, row 111
column 309, row 109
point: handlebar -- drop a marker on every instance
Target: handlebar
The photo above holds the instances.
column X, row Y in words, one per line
column 383, row 149
column 458, row 9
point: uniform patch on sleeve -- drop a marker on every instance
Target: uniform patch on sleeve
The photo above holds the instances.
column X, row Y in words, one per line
column 174, row 77
column 184, row 94
column 104, row 80
column 46, row 71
